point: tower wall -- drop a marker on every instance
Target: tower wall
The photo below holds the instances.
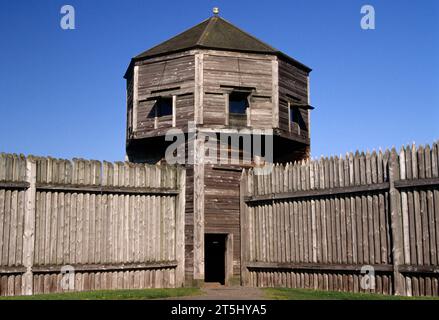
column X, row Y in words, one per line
column 200, row 82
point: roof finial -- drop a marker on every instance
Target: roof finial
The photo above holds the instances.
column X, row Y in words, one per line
column 215, row 11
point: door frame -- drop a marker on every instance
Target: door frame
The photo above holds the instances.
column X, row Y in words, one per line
column 228, row 256
column 228, row 268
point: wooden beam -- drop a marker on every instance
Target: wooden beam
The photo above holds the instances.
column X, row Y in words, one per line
column 106, row 267
column 226, row 168
column 388, row 268
column 88, row 188
column 416, row 183
column 77, row 188
column 14, row 185
column 164, row 90
column 317, row 266
column 179, row 92
column 6, row 270
column 379, row 187
column 431, row 269
column 238, row 88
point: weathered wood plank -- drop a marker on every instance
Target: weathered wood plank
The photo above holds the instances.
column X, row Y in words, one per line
column 29, row 228
column 395, row 217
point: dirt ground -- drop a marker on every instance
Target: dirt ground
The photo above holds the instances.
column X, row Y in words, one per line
column 214, row 291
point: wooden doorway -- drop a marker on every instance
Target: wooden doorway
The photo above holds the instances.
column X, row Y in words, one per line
column 215, row 257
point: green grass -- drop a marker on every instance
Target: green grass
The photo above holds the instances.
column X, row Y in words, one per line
column 141, row 294
column 270, row 293
column 307, row 294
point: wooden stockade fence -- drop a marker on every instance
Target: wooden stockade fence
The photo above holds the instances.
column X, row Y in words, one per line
column 120, row 225
column 315, row 224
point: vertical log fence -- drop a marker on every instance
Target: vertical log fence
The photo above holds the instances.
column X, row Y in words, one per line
column 116, row 225
column 325, row 224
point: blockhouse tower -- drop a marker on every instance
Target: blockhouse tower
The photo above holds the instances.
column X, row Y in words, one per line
column 216, row 79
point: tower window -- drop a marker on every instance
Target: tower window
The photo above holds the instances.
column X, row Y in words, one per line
column 163, row 107
column 238, row 108
column 296, row 119
column 163, row 111
column 238, row 102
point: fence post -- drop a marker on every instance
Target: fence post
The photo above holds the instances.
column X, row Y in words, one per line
column 179, row 229
column 395, row 220
column 244, row 230
column 29, row 226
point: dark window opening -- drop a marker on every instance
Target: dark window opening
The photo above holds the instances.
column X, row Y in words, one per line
column 238, row 102
column 238, row 105
column 152, row 112
column 297, row 117
column 164, row 107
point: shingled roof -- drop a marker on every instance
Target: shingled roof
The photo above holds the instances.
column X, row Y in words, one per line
column 215, row 33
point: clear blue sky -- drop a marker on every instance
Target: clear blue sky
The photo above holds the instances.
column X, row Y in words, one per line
column 62, row 93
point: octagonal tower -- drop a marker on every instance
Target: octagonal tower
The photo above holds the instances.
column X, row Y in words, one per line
column 215, row 78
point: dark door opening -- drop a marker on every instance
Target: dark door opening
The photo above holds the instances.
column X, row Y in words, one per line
column 214, row 255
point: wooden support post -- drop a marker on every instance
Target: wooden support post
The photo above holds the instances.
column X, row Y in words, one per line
column 289, row 116
column 179, row 228
column 135, row 96
column 199, row 208
column 275, row 92
column 229, row 259
column 395, row 221
column 29, row 227
column 309, row 111
column 174, row 110
column 199, row 88
column 244, row 231
column 226, row 110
